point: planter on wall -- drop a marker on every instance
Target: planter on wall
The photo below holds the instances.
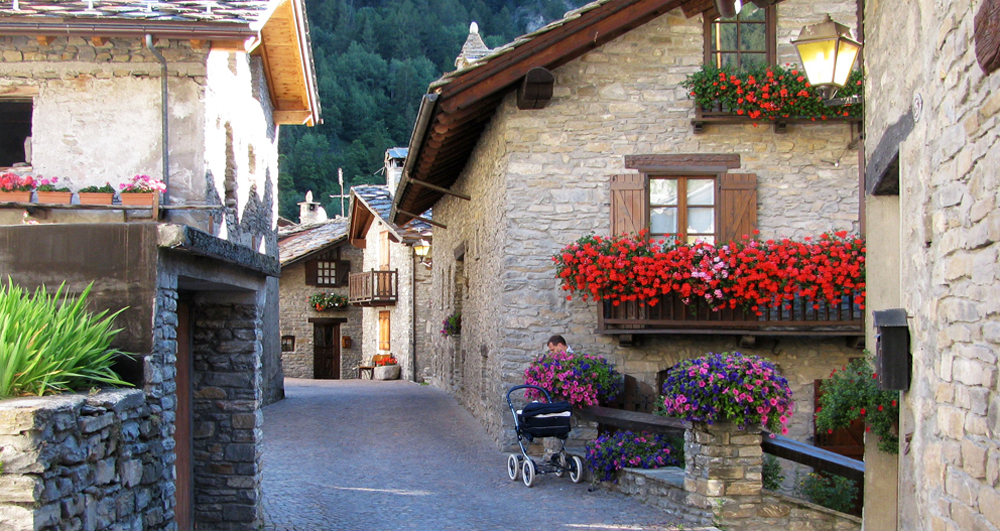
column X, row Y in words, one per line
column 57, row 198
column 15, row 197
column 387, row 372
column 95, row 198
column 142, row 199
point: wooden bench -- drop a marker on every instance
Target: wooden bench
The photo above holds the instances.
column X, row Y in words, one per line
column 370, row 368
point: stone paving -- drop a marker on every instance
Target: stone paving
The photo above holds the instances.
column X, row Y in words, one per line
column 386, row 455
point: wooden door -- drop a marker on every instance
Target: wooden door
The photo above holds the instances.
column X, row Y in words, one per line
column 182, row 434
column 326, row 351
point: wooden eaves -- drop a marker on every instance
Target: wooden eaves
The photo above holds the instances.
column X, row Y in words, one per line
column 288, row 64
column 458, row 107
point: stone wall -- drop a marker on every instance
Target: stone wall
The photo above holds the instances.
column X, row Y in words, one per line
column 84, row 462
column 540, row 180
column 949, row 228
column 296, row 312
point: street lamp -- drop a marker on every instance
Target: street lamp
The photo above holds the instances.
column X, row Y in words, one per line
column 423, row 248
column 828, row 51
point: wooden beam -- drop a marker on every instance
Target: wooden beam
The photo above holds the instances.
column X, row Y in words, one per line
column 818, row 458
column 633, row 420
column 19, row 91
column 45, row 40
column 693, row 8
column 197, row 44
column 228, row 46
column 443, row 190
column 535, row 90
column 425, row 220
column 291, row 117
column 98, row 41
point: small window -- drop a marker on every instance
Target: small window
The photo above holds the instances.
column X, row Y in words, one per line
column 683, row 207
column 287, row 343
column 15, row 132
column 745, row 41
column 327, row 270
column 383, row 331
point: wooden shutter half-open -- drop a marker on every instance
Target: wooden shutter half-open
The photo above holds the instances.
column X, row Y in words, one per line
column 737, row 206
column 629, row 203
column 343, row 272
column 312, row 270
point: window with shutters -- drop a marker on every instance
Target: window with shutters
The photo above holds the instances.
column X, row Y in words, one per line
column 745, row 41
column 682, row 207
column 383, row 331
column 327, row 270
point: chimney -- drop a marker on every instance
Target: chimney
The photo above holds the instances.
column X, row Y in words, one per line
column 311, row 212
column 394, row 160
column 473, row 50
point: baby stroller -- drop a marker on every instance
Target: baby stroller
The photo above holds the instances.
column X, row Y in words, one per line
column 539, row 420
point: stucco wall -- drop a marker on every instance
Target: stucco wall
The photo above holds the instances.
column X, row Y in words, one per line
column 296, row 312
column 540, row 180
column 949, row 227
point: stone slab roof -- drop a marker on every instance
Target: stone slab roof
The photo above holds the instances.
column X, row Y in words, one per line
column 300, row 241
column 378, row 200
column 231, row 11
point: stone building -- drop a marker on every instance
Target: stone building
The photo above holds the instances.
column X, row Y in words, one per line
column 96, row 92
column 316, row 258
column 559, row 134
column 932, row 149
column 392, row 286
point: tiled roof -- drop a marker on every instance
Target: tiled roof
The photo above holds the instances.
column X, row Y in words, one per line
column 164, row 10
column 300, row 241
column 377, row 198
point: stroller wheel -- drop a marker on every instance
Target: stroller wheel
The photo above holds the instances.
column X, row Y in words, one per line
column 512, row 467
column 576, row 469
column 559, row 460
column 528, row 472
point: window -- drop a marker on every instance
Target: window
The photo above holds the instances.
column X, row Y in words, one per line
column 327, row 270
column 287, row 343
column 744, row 41
column 683, row 207
column 383, row 330
column 15, row 132
column 383, row 252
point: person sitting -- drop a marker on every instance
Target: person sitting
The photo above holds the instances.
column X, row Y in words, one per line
column 557, row 343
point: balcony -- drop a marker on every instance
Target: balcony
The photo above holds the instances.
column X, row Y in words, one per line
column 374, row 288
column 671, row 316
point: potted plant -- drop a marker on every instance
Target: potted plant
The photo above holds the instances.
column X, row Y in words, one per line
column 15, row 188
column 327, row 301
column 729, row 387
column 96, row 195
column 610, row 453
column 48, row 192
column 852, row 393
column 386, row 368
column 452, row 325
column 141, row 190
column 580, row 379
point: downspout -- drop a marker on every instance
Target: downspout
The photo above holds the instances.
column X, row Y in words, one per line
column 163, row 117
column 413, row 314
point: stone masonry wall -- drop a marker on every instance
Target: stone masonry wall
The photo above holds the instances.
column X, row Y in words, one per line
column 296, row 312
column 83, row 462
column 949, row 233
column 539, row 180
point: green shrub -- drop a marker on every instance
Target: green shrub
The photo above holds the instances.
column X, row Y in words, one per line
column 771, row 474
column 51, row 344
column 830, row 491
column 625, row 449
column 852, row 393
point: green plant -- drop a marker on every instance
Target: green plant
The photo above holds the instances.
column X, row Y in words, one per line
column 853, row 393
column 325, row 301
column 830, row 491
column 452, row 325
column 580, row 379
column 49, row 185
column 624, row 449
column 142, row 184
column 51, row 344
column 106, row 189
column 772, row 474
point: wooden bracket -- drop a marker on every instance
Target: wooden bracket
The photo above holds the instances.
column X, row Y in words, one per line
column 45, row 40
column 98, row 41
column 535, row 90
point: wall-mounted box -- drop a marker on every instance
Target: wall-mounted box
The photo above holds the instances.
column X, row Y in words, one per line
column 892, row 350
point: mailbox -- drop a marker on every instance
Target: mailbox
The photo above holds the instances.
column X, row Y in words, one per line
column 346, row 342
column 892, row 350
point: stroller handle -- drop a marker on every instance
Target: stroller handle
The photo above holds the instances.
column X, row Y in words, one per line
column 548, row 397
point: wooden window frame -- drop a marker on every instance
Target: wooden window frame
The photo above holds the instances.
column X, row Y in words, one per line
column 288, row 341
column 770, row 34
column 682, row 205
column 341, row 269
column 385, row 330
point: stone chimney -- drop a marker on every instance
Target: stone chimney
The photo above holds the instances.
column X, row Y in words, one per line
column 311, row 212
column 473, row 50
column 394, row 160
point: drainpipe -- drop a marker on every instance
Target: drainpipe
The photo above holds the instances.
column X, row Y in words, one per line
column 163, row 117
column 413, row 313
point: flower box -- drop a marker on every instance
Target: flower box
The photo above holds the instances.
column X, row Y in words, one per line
column 387, row 372
column 95, row 198
column 139, row 199
column 55, row 198
column 15, row 197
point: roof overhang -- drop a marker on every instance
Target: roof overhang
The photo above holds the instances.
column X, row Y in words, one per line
column 362, row 215
column 288, row 64
column 333, row 243
column 458, row 107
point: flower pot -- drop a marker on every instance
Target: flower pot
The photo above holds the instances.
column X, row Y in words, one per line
column 15, row 197
column 387, row 372
column 142, row 199
column 95, row 198
column 57, row 198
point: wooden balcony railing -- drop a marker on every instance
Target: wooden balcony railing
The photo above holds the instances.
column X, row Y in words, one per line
column 374, row 288
column 718, row 115
column 671, row 316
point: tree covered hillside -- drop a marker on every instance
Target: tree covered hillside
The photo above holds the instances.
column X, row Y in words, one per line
column 374, row 60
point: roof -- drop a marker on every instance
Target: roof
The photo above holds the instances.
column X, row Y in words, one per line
column 301, row 241
column 458, row 106
column 373, row 201
column 275, row 30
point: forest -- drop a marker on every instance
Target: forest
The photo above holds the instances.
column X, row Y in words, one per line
column 374, row 60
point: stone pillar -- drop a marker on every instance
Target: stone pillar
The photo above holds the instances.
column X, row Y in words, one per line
column 723, row 472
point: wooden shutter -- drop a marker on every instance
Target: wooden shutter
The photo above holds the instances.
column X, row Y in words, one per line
column 383, row 253
column 629, row 203
column 311, row 273
column 343, row 272
column 383, row 330
column 737, row 212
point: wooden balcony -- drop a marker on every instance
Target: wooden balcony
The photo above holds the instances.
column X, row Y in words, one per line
column 671, row 316
column 717, row 115
column 374, row 288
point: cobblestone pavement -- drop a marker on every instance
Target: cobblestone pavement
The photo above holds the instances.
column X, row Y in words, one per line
column 387, row 455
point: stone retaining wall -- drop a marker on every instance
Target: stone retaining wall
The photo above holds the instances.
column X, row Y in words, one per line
column 83, row 462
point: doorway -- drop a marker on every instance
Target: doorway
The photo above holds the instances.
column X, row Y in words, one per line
column 182, row 435
column 326, row 350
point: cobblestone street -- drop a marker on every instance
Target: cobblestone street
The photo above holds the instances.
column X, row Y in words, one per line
column 386, row 455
